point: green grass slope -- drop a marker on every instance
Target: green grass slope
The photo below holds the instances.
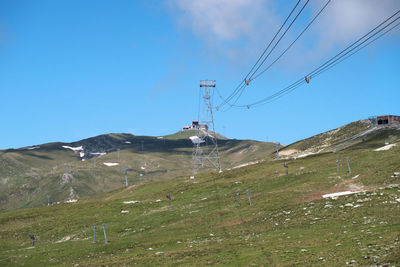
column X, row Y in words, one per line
column 28, row 175
column 348, row 135
column 287, row 224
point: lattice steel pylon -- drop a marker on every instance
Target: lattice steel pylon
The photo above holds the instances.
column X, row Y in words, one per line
column 205, row 145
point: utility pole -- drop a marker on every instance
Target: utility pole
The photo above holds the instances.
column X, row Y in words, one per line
column 337, row 169
column 169, row 199
column 205, row 145
column 94, row 233
column 104, row 230
column 126, row 175
column 277, row 150
column 118, row 153
column 32, row 237
column 348, row 164
column 287, row 168
column 372, row 121
column 248, row 196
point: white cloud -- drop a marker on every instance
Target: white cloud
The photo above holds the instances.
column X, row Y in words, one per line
column 345, row 21
column 233, row 29
column 239, row 30
column 222, row 19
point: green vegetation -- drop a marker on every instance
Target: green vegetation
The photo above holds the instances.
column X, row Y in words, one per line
column 335, row 139
column 27, row 175
column 288, row 223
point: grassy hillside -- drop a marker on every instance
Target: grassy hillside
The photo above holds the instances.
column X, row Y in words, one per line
column 287, row 224
column 337, row 139
column 28, row 175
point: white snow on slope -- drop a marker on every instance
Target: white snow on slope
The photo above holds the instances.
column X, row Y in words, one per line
column 387, row 147
column 98, row 153
column 64, row 239
column 131, row 202
column 111, row 163
column 196, row 140
column 338, row 194
column 79, row 148
column 127, row 142
column 32, row 147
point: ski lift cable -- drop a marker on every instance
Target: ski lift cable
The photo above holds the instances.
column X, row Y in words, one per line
column 304, row 30
column 290, row 25
column 343, row 59
column 330, row 62
column 265, row 50
column 242, row 88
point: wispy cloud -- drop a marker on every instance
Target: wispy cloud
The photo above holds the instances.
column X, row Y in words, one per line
column 221, row 19
column 345, row 20
column 227, row 27
column 240, row 28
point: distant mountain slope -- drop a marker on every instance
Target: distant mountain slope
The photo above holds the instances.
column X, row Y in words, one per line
column 69, row 171
column 338, row 139
column 295, row 219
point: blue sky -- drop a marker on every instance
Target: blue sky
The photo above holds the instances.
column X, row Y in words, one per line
column 75, row 69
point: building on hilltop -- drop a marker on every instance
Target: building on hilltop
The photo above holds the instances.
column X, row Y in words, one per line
column 195, row 125
column 388, row 119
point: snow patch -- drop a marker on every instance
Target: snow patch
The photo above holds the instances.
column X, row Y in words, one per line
column 109, row 164
column 98, row 153
column 143, row 168
column 131, row 202
column 32, row 147
column 64, row 239
column 196, row 140
column 79, row 148
column 124, row 211
column 387, row 147
column 71, row 201
column 127, row 142
column 338, row 194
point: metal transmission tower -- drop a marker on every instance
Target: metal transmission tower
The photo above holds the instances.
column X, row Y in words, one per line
column 205, row 146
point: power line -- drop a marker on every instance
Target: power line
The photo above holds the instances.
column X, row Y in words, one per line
column 329, row 63
column 336, row 60
column 290, row 25
column 344, row 50
column 265, row 50
column 331, row 66
column 305, row 29
column 309, row 24
column 287, row 18
column 239, row 90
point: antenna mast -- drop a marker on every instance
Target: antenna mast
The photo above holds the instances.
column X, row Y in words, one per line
column 205, row 146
